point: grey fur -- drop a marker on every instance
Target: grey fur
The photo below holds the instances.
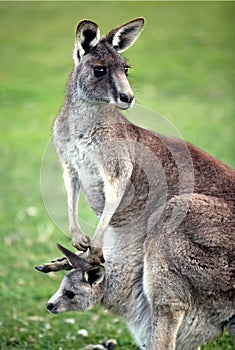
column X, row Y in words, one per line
column 166, row 210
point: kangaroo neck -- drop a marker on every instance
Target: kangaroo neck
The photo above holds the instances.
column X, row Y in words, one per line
column 87, row 117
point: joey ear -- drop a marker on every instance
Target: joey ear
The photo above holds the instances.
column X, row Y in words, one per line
column 124, row 36
column 87, row 36
column 94, row 275
column 75, row 260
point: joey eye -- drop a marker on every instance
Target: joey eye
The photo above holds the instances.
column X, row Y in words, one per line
column 100, row 71
column 126, row 70
column 69, row 294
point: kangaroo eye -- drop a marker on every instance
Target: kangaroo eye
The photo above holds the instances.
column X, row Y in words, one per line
column 100, row 71
column 69, row 294
column 126, row 70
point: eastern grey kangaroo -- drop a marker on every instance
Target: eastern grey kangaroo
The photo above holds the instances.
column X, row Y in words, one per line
column 166, row 229
column 98, row 148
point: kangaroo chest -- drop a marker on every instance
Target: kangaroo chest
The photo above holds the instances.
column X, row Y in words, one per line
column 83, row 157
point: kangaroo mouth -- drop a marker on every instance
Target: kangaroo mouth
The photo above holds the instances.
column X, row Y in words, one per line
column 55, row 308
column 124, row 105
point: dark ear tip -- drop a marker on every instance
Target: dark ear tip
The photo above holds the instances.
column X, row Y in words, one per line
column 86, row 23
column 59, row 246
column 41, row 268
column 62, row 249
column 141, row 20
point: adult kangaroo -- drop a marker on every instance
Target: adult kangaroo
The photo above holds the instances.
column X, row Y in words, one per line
column 121, row 169
column 166, row 208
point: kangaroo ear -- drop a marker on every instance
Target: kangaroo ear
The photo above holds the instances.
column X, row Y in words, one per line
column 87, row 36
column 124, row 36
column 94, row 275
column 75, row 260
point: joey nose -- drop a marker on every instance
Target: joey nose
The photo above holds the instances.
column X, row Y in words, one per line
column 125, row 98
column 50, row 306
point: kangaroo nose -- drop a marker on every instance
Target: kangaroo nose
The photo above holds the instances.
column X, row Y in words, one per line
column 125, row 98
column 50, row 306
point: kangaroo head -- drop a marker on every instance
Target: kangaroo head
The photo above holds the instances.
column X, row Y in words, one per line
column 100, row 74
column 80, row 289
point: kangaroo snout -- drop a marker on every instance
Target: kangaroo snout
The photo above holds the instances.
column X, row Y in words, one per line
column 52, row 308
column 126, row 98
column 125, row 101
column 123, row 96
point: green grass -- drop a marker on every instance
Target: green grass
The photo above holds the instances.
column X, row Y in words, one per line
column 183, row 67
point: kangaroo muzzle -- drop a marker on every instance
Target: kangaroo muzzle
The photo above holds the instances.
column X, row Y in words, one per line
column 123, row 96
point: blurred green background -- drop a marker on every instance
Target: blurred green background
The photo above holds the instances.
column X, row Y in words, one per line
column 183, row 67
